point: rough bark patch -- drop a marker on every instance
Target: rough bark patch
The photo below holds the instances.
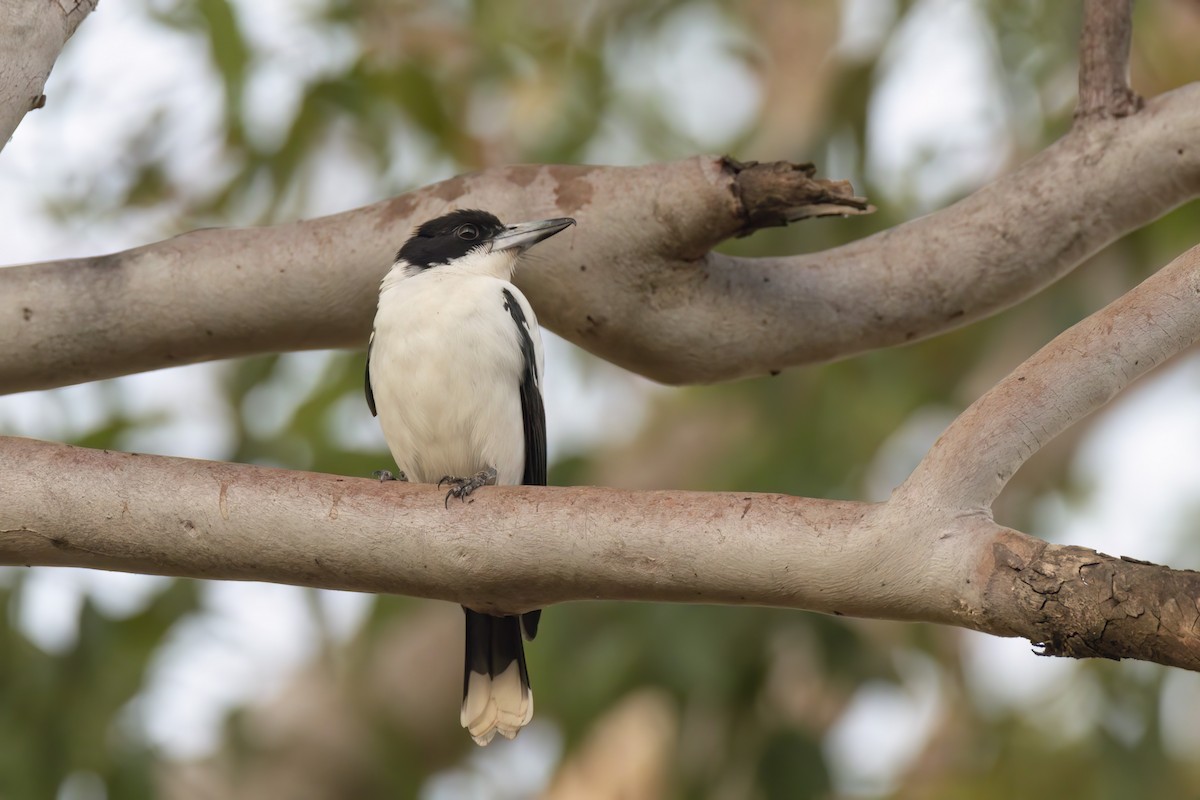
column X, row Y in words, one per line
column 1076, row 602
column 779, row 192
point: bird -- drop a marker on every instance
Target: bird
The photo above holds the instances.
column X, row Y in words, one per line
column 454, row 374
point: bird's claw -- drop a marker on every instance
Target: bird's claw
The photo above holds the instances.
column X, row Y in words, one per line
column 385, row 475
column 462, row 487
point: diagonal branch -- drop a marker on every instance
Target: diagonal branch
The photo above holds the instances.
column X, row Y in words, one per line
column 1072, row 376
column 31, row 37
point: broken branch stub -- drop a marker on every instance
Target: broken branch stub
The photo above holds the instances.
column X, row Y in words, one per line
column 779, row 192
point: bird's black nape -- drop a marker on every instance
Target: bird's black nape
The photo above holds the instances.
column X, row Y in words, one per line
column 451, row 236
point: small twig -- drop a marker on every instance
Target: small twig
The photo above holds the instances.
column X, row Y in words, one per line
column 1104, row 60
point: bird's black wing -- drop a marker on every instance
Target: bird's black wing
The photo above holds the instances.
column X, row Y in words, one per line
column 533, row 415
column 533, row 412
column 367, row 378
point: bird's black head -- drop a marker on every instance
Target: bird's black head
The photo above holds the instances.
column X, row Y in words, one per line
column 470, row 231
column 449, row 237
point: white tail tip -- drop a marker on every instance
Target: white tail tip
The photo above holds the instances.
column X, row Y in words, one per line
column 502, row 704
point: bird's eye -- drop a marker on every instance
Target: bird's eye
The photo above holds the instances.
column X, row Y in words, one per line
column 468, row 232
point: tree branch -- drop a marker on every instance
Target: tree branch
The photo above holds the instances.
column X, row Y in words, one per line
column 171, row 516
column 636, row 281
column 1104, row 60
column 1075, row 374
column 31, row 37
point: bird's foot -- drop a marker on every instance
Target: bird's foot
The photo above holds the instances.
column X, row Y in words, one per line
column 385, row 475
column 461, row 487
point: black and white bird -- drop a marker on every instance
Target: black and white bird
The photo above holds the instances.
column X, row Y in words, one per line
column 454, row 373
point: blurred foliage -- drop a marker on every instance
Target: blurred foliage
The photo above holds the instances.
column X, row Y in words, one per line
column 414, row 91
column 62, row 713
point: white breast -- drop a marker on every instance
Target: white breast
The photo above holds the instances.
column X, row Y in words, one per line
column 446, row 367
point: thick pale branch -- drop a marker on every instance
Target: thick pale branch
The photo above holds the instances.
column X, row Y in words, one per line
column 1072, row 376
column 218, row 293
column 636, row 281
column 199, row 519
column 203, row 519
column 1104, row 60
column 32, row 34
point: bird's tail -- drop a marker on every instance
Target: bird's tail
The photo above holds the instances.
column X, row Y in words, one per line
column 496, row 693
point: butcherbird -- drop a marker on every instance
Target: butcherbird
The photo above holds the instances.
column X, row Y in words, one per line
column 454, row 373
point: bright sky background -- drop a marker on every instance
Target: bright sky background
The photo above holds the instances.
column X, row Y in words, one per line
column 1142, row 459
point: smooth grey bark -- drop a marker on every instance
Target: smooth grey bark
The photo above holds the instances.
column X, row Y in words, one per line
column 32, row 33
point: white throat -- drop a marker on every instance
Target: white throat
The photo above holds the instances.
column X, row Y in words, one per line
column 500, row 264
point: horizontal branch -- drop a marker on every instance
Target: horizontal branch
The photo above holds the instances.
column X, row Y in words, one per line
column 201, row 519
column 170, row 516
column 635, row 282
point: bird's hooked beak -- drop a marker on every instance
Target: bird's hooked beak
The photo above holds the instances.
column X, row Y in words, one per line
column 524, row 235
